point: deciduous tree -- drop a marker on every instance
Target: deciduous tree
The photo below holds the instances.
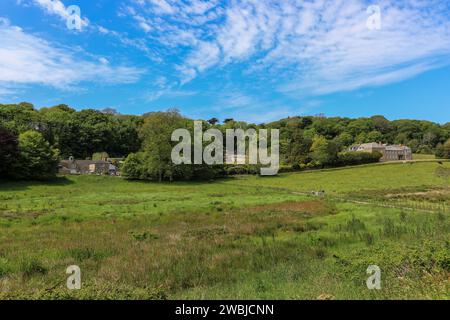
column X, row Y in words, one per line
column 9, row 151
column 37, row 159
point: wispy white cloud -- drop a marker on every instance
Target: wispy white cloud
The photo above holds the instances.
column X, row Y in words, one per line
column 309, row 47
column 238, row 103
column 6, row 93
column 27, row 59
column 164, row 88
column 137, row 43
column 168, row 93
column 284, row 52
column 58, row 9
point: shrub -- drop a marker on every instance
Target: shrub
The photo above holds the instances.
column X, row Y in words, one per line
column 439, row 151
column 242, row 169
column 443, row 150
column 288, row 168
column 357, row 158
column 133, row 166
column 142, row 236
column 140, row 166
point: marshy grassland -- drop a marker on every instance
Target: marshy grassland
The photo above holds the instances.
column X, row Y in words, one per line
column 246, row 237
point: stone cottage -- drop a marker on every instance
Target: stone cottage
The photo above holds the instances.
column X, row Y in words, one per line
column 72, row 166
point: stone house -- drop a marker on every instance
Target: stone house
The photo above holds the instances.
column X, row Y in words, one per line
column 72, row 166
column 389, row 152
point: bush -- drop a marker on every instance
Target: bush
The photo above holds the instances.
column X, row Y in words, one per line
column 443, row 150
column 357, row 158
column 202, row 172
column 133, row 166
column 288, row 168
column 242, row 169
column 439, row 151
column 141, row 166
column 142, row 236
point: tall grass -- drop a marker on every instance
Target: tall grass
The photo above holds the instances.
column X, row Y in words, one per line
column 243, row 238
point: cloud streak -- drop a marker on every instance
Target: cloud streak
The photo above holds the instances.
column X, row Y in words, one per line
column 309, row 47
column 27, row 59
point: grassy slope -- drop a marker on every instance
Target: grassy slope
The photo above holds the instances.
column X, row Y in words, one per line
column 248, row 237
column 344, row 180
column 418, row 156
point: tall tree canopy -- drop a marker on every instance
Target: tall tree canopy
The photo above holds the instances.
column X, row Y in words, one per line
column 76, row 133
column 9, row 151
column 83, row 133
column 37, row 159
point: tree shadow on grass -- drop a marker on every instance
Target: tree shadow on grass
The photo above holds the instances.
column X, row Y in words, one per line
column 19, row 185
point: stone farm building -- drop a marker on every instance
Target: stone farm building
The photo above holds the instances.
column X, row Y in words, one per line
column 389, row 152
column 73, row 166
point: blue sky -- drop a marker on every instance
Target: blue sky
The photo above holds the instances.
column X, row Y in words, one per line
column 253, row 60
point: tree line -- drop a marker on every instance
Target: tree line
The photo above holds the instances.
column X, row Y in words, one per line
column 33, row 140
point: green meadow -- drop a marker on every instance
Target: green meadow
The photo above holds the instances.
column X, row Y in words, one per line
column 418, row 156
column 246, row 237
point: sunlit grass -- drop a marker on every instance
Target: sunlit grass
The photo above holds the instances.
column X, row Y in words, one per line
column 247, row 237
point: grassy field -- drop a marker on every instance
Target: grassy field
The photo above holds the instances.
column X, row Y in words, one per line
column 418, row 156
column 247, row 237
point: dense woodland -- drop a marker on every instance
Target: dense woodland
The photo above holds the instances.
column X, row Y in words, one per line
column 33, row 140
